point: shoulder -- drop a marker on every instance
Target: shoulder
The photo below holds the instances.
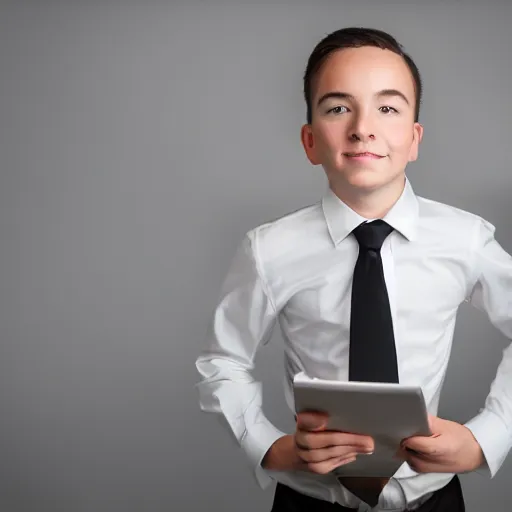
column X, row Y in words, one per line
column 451, row 219
column 293, row 231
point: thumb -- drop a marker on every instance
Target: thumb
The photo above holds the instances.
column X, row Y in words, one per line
column 311, row 420
column 435, row 424
column 425, row 444
column 420, row 444
column 431, row 423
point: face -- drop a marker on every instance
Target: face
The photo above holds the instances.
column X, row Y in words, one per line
column 363, row 131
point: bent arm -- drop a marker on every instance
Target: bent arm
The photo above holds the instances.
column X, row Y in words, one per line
column 492, row 293
column 243, row 319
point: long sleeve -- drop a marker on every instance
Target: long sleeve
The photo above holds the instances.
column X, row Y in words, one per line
column 492, row 293
column 243, row 319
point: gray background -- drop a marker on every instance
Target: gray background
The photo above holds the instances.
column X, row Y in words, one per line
column 139, row 141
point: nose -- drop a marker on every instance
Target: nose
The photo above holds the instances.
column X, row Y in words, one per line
column 361, row 129
column 356, row 137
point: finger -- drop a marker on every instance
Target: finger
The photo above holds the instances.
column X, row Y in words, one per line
column 436, row 424
column 325, row 467
column 324, row 454
column 311, row 421
column 316, row 440
column 428, row 446
column 420, row 465
column 342, row 461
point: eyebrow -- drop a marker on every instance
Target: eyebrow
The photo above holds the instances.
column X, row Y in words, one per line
column 346, row 96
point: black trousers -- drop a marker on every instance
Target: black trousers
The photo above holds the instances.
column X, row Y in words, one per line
column 446, row 499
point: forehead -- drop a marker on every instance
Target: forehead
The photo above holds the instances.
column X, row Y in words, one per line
column 363, row 70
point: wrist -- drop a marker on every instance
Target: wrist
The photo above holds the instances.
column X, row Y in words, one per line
column 278, row 455
column 478, row 459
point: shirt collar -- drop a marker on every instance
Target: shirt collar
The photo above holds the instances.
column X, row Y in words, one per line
column 342, row 220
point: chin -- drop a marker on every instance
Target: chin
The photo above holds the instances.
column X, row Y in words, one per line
column 369, row 180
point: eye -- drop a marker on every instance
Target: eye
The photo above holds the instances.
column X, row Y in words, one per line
column 387, row 110
column 338, row 110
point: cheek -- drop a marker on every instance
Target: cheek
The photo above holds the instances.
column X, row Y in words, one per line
column 400, row 141
column 332, row 131
column 330, row 136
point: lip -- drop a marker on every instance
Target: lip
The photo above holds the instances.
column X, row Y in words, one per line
column 363, row 155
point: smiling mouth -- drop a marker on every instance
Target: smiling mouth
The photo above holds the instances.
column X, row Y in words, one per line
column 363, row 155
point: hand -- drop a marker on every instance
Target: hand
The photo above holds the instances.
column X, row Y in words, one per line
column 313, row 448
column 451, row 449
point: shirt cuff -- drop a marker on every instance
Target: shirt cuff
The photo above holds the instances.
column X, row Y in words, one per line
column 256, row 442
column 493, row 437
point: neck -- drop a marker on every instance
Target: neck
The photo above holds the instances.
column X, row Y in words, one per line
column 370, row 204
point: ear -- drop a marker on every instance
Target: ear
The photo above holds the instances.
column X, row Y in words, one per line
column 417, row 136
column 308, row 142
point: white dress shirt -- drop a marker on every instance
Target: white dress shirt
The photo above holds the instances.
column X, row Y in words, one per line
column 297, row 271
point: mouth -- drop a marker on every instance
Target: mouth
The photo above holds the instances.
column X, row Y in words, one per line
column 364, row 155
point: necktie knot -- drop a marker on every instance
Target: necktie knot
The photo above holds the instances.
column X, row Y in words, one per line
column 371, row 235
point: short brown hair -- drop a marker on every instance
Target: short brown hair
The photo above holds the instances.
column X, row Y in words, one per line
column 354, row 37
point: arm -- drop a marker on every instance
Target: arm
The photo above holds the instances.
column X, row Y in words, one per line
column 492, row 293
column 483, row 442
column 243, row 319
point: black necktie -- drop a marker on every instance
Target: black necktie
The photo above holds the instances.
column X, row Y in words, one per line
column 372, row 342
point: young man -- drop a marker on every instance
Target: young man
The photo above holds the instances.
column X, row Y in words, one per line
column 365, row 286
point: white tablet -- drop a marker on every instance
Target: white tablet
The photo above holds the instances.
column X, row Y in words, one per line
column 387, row 412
